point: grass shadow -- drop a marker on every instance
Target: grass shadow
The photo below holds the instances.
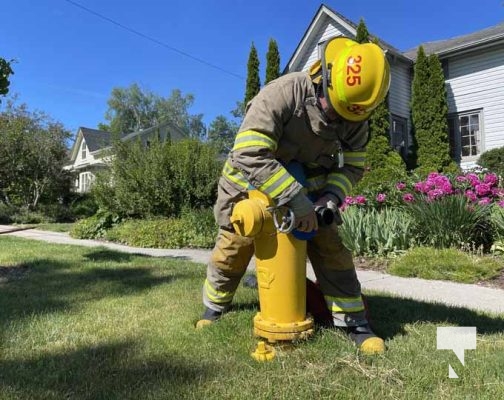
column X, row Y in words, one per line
column 108, row 371
column 50, row 286
column 390, row 314
column 104, row 254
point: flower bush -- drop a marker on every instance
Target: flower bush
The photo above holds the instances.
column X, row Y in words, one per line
column 478, row 188
column 447, row 210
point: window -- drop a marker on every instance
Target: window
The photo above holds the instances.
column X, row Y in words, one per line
column 83, row 150
column 86, row 179
column 399, row 135
column 465, row 135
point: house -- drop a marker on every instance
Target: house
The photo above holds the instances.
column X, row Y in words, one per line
column 474, row 69
column 90, row 152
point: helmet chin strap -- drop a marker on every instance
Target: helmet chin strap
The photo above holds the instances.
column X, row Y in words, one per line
column 329, row 112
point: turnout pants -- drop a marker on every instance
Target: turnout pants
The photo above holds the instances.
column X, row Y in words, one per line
column 332, row 263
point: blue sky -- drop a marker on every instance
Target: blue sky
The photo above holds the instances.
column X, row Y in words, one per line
column 69, row 60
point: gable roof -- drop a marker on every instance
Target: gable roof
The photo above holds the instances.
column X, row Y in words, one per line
column 96, row 139
column 348, row 25
column 461, row 43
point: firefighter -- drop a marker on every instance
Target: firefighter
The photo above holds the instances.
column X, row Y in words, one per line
column 319, row 119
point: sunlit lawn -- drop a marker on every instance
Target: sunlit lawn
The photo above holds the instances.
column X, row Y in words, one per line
column 90, row 323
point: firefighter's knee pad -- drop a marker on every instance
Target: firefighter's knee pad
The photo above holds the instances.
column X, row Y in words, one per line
column 232, row 252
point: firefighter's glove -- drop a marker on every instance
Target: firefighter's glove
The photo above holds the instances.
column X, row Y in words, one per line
column 330, row 201
column 304, row 212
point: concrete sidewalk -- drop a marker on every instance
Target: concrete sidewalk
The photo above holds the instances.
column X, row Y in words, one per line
column 462, row 295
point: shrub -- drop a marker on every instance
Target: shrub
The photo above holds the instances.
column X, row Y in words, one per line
column 493, row 160
column 451, row 222
column 194, row 229
column 6, row 213
column 94, row 227
column 159, row 180
column 83, row 206
column 445, row 264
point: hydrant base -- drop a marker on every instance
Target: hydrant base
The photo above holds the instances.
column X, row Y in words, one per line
column 274, row 331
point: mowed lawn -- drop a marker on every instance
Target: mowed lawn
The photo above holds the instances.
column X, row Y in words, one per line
column 90, row 323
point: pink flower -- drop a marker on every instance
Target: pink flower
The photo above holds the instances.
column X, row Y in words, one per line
column 360, row 199
column 501, row 203
column 484, row 201
column 408, row 198
column 470, row 195
column 432, row 176
column 349, row 200
column 482, row 189
column 461, row 178
column 400, row 185
column 473, row 179
column 498, row 192
column 381, row 197
column 419, row 187
column 491, row 179
column 434, row 194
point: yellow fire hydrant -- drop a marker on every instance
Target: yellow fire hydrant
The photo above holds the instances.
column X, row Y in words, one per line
column 281, row 273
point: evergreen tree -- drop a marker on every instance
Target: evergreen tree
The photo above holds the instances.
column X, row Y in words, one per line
column 272, row 61
column 429, row 110
column 362, row 35
column 382, row 161
column 253, row 80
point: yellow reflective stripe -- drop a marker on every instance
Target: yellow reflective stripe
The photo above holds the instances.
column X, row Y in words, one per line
column 217, row 296
column 355, row 158
column 253, row 138
column 344, row 304
column 340, row 181
column 316, row 182
column 277, row 183
column 234, row 175
column 340, row 73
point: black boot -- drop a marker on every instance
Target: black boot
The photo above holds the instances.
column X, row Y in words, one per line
column 208, row 317
column 366, row 340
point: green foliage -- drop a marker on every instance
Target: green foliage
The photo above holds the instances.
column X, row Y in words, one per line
column 194, row 229
column 497, row 219
column 253, row 80
column 445, row 264
column 429, row 110
column 159, row 180
column 5, row 72
column 94, row 227
column 32, row 155
column 493, row 160
column 384, row 167
column 451, row 221
column 272, row 61
column 6, row 213
column 133, row 108
column 362, row 35
column 373, row 232
column 221, row 133
column 83, row 206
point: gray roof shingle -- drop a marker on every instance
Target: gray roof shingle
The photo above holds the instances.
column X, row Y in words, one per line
column 441, row 46
column 95, row 139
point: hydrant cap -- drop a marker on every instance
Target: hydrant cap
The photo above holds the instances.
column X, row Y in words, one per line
column 247, row 217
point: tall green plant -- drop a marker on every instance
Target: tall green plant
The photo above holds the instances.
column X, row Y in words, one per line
column 373, row 232
column 272, row 61
column 429, row 110
column 451, row 221
column 253, row 80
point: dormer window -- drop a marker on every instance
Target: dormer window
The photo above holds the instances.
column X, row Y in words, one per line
column 83, row 150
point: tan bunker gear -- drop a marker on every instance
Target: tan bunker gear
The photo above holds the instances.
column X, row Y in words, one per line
column 285, row 123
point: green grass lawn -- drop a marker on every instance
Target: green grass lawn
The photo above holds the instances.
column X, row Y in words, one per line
column 91, row 323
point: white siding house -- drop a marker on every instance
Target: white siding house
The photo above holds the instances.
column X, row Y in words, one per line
column 474, row 67
column 90, row 152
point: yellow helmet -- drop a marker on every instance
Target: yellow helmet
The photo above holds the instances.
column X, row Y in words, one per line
column 356, row 77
